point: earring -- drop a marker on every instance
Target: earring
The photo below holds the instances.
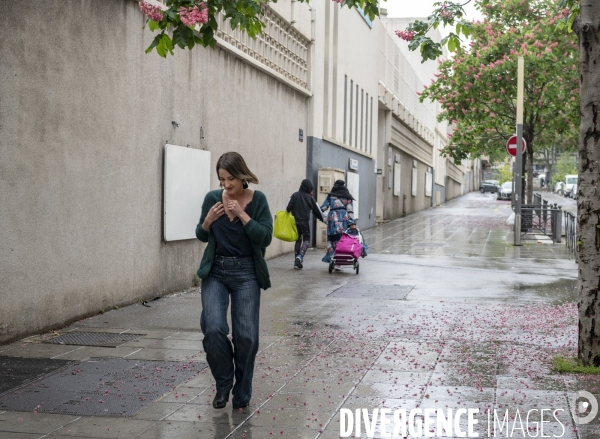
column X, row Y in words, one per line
column 245, row 184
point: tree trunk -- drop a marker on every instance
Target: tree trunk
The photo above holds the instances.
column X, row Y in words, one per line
column 530, row 175
column 588, row 203
column 548, row 177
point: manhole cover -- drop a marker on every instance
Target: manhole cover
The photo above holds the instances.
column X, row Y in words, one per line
column 102, row 387
column 94, row 339
column 368, row 291
column 17, row 371
column 429, row 244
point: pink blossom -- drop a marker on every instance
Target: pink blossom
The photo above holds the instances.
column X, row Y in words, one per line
column 447, row 15
column 194, row 15
column 154, row 13
column 406, row 35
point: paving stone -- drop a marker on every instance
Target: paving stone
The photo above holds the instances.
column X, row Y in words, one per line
column 185, row 430
column 105, row 428
column 29, row 422
column 157, row 411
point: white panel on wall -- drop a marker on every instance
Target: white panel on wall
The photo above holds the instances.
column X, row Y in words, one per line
column 414, row 182
column 187, row 181
column 428, row 184
column 352, row 185
column 397, row 179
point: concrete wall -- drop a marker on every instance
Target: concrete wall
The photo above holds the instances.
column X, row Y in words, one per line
column 453, row 189
column 397, row 206
column 345, row 50
column 325, row 154
column 84, row 117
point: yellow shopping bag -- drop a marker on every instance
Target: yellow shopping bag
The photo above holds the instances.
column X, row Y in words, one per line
column 285, row 226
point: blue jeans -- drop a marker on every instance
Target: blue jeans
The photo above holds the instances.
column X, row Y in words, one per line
column 332, row 241
column 235, row 277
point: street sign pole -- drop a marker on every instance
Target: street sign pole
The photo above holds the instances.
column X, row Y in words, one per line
column 519, row 168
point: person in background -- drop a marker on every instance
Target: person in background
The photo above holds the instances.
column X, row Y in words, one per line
column 301, row 203
column 237, row 224
column 340, row 217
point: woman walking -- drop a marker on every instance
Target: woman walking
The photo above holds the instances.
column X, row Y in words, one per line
column 340, row 218
column 237, row 224
column 301, row 204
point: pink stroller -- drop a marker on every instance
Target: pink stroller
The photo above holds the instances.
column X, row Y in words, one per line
column 347, row 251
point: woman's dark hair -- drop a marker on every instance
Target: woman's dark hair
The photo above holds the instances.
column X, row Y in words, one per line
column 234, row 163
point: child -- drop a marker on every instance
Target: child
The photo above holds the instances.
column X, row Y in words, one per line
column 300, row 204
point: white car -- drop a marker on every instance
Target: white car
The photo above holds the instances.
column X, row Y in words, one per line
column 505, row 191
column 570, row 180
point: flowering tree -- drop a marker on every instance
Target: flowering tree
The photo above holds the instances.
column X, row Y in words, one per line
column 478, row 86
column 186, row 23
column 580, row 16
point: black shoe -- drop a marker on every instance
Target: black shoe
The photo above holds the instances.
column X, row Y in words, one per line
column 220, row 400
column 241, row 406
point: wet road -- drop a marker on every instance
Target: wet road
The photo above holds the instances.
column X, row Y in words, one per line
column 445, row 313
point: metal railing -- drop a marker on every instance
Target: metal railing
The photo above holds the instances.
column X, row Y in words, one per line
column 542, row 217
column 571, row 233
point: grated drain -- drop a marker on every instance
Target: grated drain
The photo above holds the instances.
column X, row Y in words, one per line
column 102, row 339
column 102, row 387
column 16, row 371
column 369, row 291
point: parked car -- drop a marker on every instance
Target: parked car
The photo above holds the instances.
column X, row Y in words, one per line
column 559, row 187
column 570, row 180
column 573, row 193
column 505, row 191
column 488, row 186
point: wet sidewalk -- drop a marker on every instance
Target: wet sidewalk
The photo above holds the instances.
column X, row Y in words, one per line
column 444, row 314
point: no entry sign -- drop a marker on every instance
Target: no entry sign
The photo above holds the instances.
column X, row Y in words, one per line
column 511, row 145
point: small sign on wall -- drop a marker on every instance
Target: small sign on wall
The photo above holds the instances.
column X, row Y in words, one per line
column 353, row 164
column 414, row 182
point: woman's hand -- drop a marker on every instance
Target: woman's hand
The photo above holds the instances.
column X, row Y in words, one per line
column 234, row 208
column 213, row 214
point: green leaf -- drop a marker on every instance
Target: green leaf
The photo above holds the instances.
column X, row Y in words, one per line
column 153, row 25
column 453, row 43
column 154, row 43
column 165, row 46
column 183, row 37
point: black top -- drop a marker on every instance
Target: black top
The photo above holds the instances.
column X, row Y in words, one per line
column 340, row 190
column 302, row 202
column 230, row 237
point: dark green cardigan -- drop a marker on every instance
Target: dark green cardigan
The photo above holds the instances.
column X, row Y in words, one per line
column 259, row 229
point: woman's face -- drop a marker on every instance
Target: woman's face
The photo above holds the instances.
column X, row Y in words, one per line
column 232, row 185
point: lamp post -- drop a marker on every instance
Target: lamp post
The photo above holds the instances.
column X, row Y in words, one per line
column 519, row 165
